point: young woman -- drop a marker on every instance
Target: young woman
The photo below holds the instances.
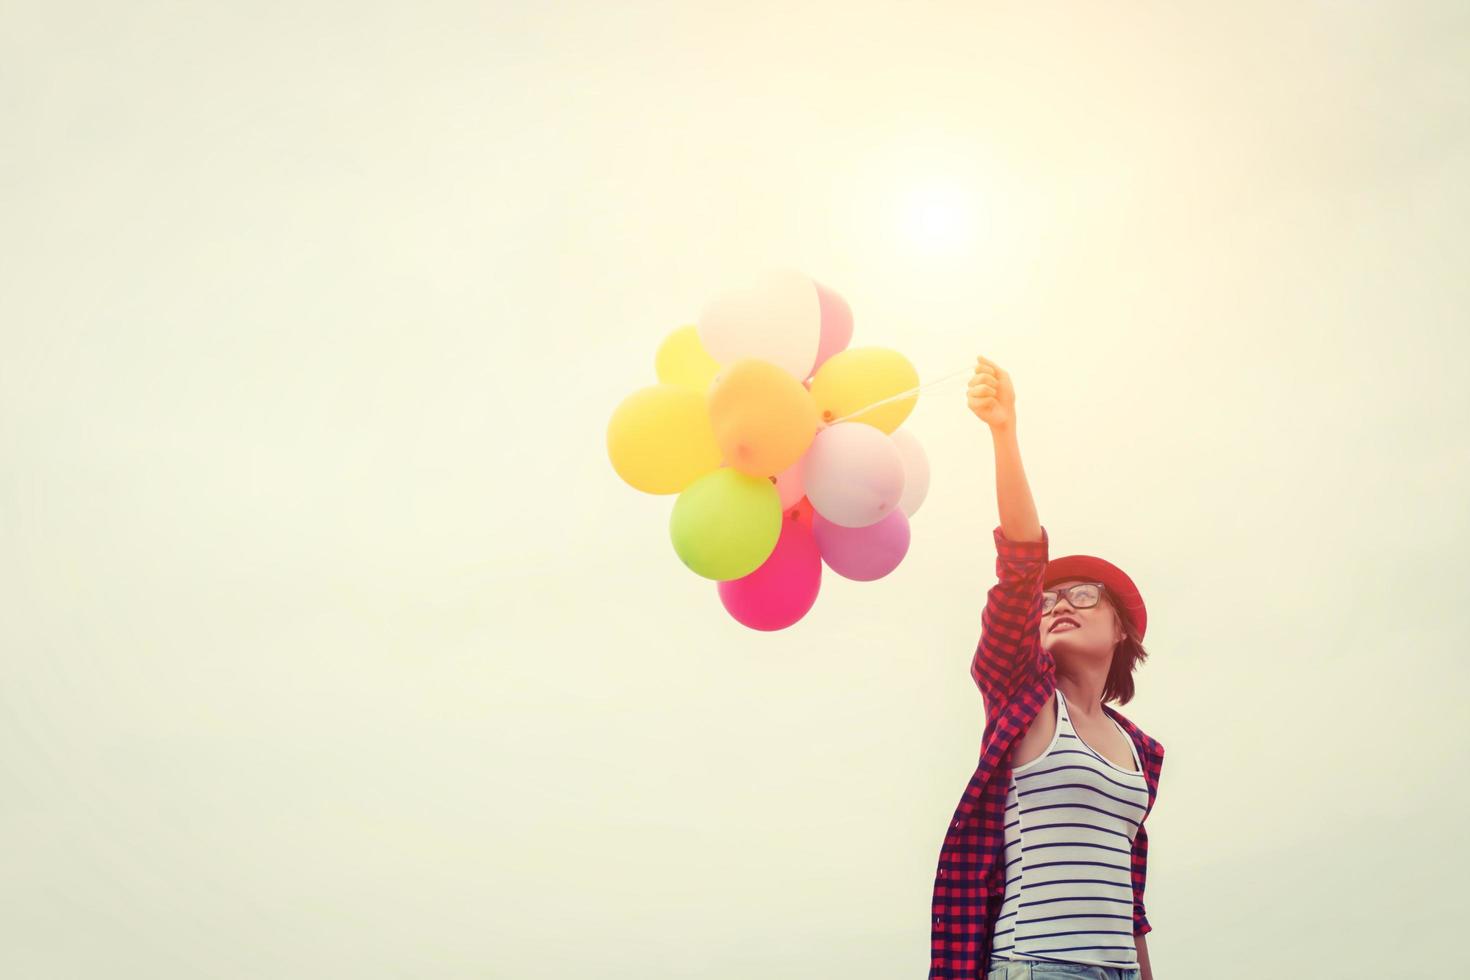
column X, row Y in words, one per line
column 1042, row 870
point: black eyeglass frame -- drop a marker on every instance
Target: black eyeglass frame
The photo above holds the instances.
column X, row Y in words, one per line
column 1067, row 593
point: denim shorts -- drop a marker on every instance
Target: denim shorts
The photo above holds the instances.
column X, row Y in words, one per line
column 1040, row 970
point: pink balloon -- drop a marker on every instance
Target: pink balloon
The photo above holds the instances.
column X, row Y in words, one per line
column 853, row 474
column 836, row 325
column 863, row 553
column 915, row 470
column 789, row 486
column 784, row 588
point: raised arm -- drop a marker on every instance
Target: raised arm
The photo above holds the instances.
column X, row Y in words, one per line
column 1010, row 635
column 993, row 400
column 1010, row 625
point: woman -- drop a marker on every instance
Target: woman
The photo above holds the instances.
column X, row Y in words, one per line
column 1042, row 870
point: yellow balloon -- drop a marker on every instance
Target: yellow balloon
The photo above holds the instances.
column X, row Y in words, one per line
column 764, row 419
column 682, row 360
column 660, row 439
column 859, row 376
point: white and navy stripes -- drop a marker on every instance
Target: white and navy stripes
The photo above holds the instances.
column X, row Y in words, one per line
column 1071, row 817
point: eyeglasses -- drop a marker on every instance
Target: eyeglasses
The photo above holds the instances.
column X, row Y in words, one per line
column 1084, row 595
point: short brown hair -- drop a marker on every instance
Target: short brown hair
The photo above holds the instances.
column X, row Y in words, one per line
column 1127, row 655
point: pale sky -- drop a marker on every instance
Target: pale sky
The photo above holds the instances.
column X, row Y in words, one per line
column 332, row 644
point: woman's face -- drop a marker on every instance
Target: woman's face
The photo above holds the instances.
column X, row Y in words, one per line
column 1096, row 632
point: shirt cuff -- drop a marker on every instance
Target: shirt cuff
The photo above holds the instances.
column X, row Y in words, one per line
column 1006, row 548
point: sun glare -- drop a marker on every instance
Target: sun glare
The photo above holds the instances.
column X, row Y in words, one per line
column 939, row 218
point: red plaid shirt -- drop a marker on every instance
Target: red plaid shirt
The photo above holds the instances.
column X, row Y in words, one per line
column 1016, row 677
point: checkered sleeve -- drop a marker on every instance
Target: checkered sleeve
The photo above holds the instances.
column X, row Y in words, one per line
column 1139, row 862
column 1010, row 624
column 1140, row 870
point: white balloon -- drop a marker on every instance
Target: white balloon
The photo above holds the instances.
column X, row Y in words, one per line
column 915, row 470
column 853, row 474
column 777, row 318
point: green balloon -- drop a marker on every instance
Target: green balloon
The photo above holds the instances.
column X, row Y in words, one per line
column 726, row 523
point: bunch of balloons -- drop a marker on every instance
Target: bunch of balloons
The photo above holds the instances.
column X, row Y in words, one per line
column 768, row 427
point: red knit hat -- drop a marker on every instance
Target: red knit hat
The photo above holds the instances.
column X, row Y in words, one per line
column 1120, row 587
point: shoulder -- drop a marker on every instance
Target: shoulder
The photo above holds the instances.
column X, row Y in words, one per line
column 1152, row 744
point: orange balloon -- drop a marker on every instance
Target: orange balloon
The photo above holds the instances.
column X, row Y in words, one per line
column 764, row 419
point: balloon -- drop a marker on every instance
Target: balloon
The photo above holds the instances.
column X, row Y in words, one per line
column 836, row 324
column 660, row 439
column 789, row 486
column 784, row 588
column 863, row 553
column 853, row 474
column 777, row 318
column 763, row 418
column 858, row 377
column 682, row 360
column 803, row 511
column 915, row 471
column 726, row 523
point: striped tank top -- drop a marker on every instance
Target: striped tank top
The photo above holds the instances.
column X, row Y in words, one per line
column 1071, row 817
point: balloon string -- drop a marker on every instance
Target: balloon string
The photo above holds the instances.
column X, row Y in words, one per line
column 904, row 394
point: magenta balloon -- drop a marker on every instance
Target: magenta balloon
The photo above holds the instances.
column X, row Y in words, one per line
column 784, row 588
column 863, row 553
column 836, row 325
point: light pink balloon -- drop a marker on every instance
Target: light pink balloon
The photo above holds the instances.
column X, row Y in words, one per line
column 836, row 324
column 789, row 486
column 853, row 474
column 915, row 470
column 863, row 553
column 784, row 588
